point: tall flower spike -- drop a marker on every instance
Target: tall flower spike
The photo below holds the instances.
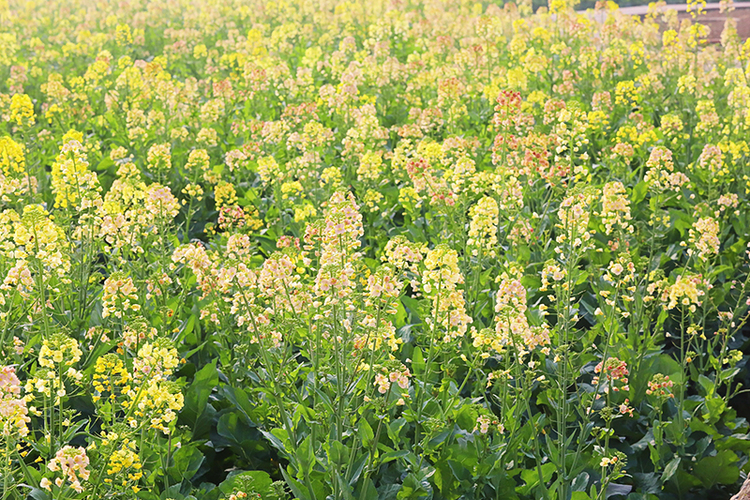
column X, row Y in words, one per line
column 483, row 226
column 339, row 244
column 440, row 282
column 14, row 180
column 73, row 183
column 14, row 415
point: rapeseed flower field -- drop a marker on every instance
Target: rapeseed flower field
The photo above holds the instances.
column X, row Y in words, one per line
column 385, row 249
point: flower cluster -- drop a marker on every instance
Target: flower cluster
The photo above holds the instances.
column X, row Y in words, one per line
column 660, row 174
column 72, row 182
column 573, row 223
column 402, row 253
column 156, row 360
column 339, row 241
column 59, row 351
column 119, row 297
column 615, row 371
column 483, row 226
column 72, row 464
column 384, row 379
column 511, row 323
column 660, row 386
column 687, row 291
column 615, row 208
column 110, row 374
column 14, row 178
column 14, row 415
column 440, row 281
column 704, row 237
column 22, row 110
column 125, row 465
column 157, row 402
column 39, row 239
column 484, row 422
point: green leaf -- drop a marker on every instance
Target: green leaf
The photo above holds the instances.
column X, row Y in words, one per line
column 367, row 491
column 531, row 281
column 38, row 494
column 199, row 391
column 719, row 469
column 680, row 221
column 242, row 402
column 647, row 483
column 295, row 486
column 639, row 192
column 400, row 318
column 414, row 488
column 670, row 469
column 392, row 455
column 344, row 488
column 358, row 467
column 305, row 455
column 266, row 244
column 735, row 442
column 258, row 480
column 444, row 478
column 465, row 418
column 105, row 164
column 715, row 407
column 274, row 440
column 531, row 477
column 186, row 462
column 417, row 361
column 394, row 431
column 365, row 433
column 618, row 489
column 581, row 481
column 707, row 384
column 412, row 306
column 336, row 454
column 582, row 276
column 718, row 270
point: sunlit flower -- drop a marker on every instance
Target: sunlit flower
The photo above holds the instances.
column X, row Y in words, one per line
column 72, row 463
